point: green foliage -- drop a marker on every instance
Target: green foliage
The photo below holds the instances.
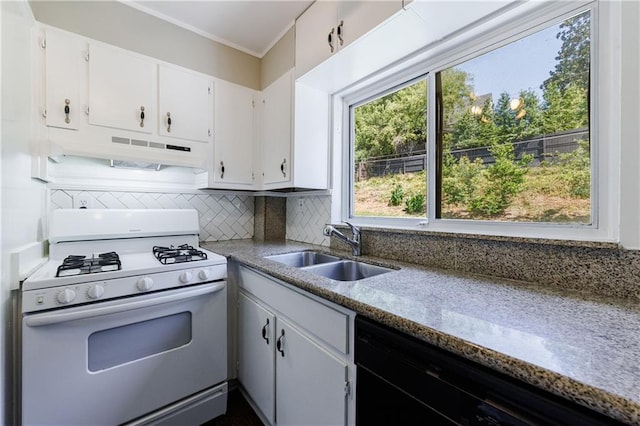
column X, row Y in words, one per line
column 564, row 109
column 415, row 204
column 485, row 191
column 395, row 123
column 500, row 182
column 397, row 195
column 459, row 179
column 573, row 58
column 576, row 169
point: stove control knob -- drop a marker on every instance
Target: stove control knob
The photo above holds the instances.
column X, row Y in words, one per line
column 66, row 296
column 204, row 275
column 144, row 284
column 95, row 292
column 185, row 277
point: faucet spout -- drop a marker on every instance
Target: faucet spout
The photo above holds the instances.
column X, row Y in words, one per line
column 355, row 242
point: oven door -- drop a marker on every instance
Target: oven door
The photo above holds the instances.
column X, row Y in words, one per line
column 111, row 362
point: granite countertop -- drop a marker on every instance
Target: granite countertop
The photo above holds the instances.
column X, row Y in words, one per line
column 582, row 347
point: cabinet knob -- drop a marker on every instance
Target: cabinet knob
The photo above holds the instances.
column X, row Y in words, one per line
column 330, row 39
column 341, row 33
column 142, row 116
column 280, row 343
column 67, row 110
column 264, row 331
column 168, row 122
column 222, row 170
column 282, row 167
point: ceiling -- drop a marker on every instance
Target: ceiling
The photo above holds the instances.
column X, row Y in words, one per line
column 252, row 26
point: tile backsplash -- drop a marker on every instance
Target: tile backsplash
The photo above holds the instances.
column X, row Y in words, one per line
column 222, row 217
column 306, row 216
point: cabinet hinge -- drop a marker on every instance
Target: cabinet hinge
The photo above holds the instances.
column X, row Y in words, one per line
column 253, row 104
column 86, row 56
column 43, row 43
column 237, row 365
column 347, row 388
column 44, row 113
column 209, row 89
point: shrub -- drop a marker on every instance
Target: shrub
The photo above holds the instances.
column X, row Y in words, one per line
column 576, row 168
column 397, row 195
column 415, row 204
column 459, row 180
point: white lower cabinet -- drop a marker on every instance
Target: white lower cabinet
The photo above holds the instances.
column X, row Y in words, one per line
column 256, row 343
column 294, row 361
column 311, row 384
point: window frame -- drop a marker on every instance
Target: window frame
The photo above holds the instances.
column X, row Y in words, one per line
column 465, row 45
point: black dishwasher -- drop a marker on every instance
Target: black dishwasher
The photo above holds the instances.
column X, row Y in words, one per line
column 405, row 381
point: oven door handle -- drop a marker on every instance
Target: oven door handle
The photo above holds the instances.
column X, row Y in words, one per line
column 91, row 311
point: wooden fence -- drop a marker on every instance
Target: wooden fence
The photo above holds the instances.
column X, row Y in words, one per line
column 541, row 148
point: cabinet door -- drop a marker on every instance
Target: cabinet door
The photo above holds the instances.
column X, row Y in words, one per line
column 310, row 383
column 234, row 134
column 359, row 17
column 185, row 98
column 121, row 89
column 256, row 331
column 275, row 135
column 65, row 64
column 313, row 30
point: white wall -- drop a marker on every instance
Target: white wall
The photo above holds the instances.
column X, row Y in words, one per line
column 22, row 200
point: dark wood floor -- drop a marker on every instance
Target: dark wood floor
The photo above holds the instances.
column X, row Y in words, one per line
column 239, row 413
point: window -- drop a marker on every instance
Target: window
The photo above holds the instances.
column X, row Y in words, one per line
column 511, row 128
column 390, row 153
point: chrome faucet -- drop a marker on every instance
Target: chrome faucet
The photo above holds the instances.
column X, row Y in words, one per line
column 354, row 242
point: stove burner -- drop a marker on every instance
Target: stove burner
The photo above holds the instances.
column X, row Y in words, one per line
column 80, row 265
column 183, row 253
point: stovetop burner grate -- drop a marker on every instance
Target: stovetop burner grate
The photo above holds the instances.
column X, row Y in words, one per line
column 180, row 254
column 80, row 265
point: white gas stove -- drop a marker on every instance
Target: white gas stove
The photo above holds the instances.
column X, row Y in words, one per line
column 105, row 254
column 132, row 316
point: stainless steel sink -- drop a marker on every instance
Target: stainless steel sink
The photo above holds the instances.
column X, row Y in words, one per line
column 303, row 258
column 347, row 270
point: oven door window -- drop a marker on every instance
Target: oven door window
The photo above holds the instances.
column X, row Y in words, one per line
column 120, row 345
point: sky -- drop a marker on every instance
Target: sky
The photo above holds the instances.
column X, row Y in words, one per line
column 526, row 63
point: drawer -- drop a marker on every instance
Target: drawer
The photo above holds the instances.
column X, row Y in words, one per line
column 323, row 321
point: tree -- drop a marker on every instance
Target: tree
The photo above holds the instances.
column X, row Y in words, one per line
column 395, row 123
column 564, row 110
column 574, row 55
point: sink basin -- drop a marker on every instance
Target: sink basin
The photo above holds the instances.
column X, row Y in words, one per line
column 347, row 270
column 303, row 258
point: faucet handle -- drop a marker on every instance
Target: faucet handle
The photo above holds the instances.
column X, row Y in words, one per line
column 354, row 229
column 326, row 231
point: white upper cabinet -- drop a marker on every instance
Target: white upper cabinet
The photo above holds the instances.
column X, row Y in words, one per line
column 121, row 89
column 276, row 131
column 356, row 18
column 315, row 35
column 101, row 101
column 293, row 136
column 64, row 58
column 329, row 26
column 232, row 165
column 184, row 104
